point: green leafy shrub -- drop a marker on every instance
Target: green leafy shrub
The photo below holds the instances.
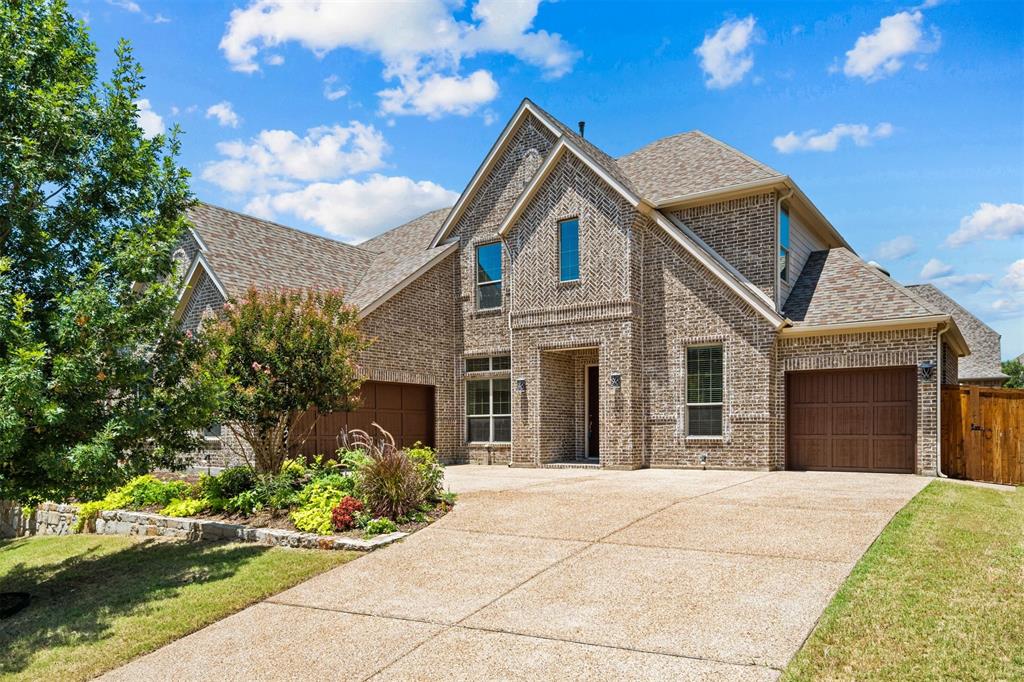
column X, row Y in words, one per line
column 185, row 507
column 228, row 483
column 379, row 526
column 245, row 503
column 317, row 502
column 351, row 459
column 430, row 472
column 141, row 491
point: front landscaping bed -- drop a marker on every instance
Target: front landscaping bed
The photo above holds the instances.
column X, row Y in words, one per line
column 98, row 601
column 364, row 497
column 939, row 595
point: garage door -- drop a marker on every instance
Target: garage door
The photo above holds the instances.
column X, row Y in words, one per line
column 404, row 410
column 852, row 420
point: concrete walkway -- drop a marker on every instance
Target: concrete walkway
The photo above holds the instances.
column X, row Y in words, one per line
column 568, row 574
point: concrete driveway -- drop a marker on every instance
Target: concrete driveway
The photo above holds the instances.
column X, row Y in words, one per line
column 568, row 574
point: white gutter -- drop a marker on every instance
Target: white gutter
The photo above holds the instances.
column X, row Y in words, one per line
column 938, row 400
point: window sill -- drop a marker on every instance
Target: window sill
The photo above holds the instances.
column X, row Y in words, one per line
column 489, row 444
column 570, row 282
column 488, row 312
column 700, row 438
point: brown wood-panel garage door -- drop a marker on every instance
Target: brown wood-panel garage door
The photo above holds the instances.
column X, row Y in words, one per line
column 404, row 410
column 852, row 420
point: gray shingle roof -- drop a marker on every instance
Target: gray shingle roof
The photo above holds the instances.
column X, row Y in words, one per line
column 400, row 252
column 688, row 163
column 245, row 251
column 837, row 287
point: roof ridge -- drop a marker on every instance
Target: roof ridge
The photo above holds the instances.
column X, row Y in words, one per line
column 954, row 302
column 287, row 227
column 656, row 141
column 725, row 145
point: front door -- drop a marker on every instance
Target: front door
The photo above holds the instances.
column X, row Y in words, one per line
column 593, row 413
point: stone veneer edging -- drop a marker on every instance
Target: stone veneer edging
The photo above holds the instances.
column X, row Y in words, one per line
column 59, row 519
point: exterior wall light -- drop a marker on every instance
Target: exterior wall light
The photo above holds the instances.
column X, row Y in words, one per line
column 615, row 380
column 521, row 385
column 927, row 371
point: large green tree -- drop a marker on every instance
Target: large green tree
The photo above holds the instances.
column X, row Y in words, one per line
column 1015, row 370
column 95, row 382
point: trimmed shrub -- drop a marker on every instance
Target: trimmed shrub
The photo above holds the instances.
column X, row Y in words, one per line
column 379, row 527
column 344, row 514
column 430, row 472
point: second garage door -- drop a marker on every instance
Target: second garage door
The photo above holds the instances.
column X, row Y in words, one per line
column 406, row 411
column 852, row 420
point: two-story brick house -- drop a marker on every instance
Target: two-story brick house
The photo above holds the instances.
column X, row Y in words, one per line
column 681, row 306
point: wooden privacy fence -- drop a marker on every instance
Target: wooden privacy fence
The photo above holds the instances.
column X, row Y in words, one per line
column 983, row 434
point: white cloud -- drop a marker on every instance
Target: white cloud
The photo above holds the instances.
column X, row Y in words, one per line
column 278, row 159
column 274, row 59
column 725, row 54
column 224, row 113
column 160, row 19
column 989, row 221
column 333, row 92
column 971, row 282
column 438, row 95
column 1007, row 307
column 356, row 210
column 896, row 248
column 422, row 46
column 1014, row 278
column 813, row 141
column 152, row 123
column 881, row 53
column 127, row 5
column 935, row 268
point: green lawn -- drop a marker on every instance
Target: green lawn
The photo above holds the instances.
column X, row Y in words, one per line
column 940, row 595
column 99, row 601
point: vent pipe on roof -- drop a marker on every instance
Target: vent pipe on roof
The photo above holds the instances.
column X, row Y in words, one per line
column 582, row 124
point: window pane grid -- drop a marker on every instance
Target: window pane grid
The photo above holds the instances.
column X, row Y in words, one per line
column 489, row 402
column 488, row 275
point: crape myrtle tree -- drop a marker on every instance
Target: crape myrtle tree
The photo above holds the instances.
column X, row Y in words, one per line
column 285, row 352
column 96, row 382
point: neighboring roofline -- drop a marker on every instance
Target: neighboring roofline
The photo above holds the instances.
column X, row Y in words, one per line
column 696, row 248
column 190, row 280
column 442, row 252
column 957, row 304
column 525, row 107
column 916, row 322
column 778, row 182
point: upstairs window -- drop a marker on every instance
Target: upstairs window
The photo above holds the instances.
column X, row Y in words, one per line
column 569, row 250
column 784, row 244
column 704, row 391
column 488, row 276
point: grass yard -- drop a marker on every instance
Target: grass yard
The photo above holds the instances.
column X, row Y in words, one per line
column 99, row 601
column 940, row 595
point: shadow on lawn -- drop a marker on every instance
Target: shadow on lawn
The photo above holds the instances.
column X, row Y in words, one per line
column 76, row 601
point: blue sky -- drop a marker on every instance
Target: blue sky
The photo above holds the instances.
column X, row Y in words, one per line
column 903, row 123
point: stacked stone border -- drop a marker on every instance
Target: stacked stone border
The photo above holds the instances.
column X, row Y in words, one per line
column 59, row 519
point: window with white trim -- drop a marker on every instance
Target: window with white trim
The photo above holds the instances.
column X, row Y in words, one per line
column 489, row 410
column 704, row 391
column 488, row 276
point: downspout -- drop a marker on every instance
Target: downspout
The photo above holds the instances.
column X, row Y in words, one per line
column 511, row 367
column 938, row 400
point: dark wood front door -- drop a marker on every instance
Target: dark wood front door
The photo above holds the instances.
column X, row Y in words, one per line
column 406, row 411
column 593, row 413
column 852, row 420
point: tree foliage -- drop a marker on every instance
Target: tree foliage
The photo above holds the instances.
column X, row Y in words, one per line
column 285, row 353
column 1015, row 370
column 96, row 384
